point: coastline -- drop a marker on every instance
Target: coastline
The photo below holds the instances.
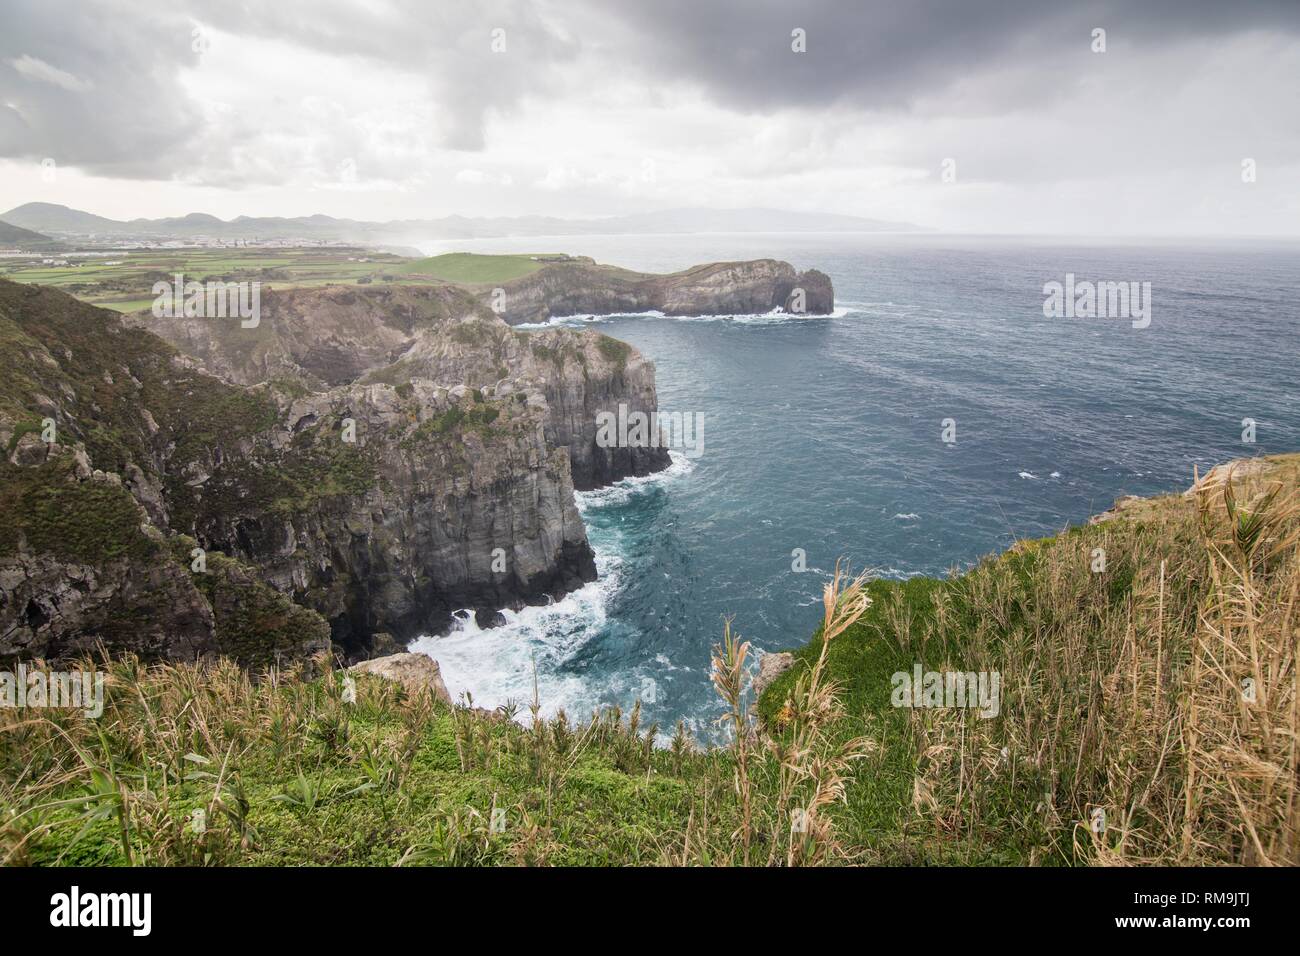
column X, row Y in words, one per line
column 498, row 662
column 772, row 680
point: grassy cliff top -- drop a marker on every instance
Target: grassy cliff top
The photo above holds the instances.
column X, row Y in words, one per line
column 1146, row 715
column 475, row 269
column 1122, row 647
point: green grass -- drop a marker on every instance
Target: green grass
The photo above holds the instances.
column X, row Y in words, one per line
column 1098, row 678
column 293, row 775
column 126, row 305
column 43, row 508
column 877, row 816
column 472, row 268
column 1105, row 675
column 126, row 284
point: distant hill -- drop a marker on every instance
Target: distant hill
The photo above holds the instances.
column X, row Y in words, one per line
column 17, row 236
column 51, row 218
column 59, row 220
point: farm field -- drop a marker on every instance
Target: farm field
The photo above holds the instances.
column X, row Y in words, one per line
column 471, row 268
column 123, row 281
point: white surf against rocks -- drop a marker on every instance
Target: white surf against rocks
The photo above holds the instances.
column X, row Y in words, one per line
column 495, row 665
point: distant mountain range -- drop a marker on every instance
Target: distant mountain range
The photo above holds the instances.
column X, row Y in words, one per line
column 56, row 220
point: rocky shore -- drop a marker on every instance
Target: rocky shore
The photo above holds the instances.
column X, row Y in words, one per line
column 346, row 473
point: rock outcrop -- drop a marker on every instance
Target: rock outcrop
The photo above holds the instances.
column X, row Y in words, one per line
column 316, row 338
column 417, row 673
column 386, row 508
column 770, row 666
column 1237, row 470
column 80, row 564
column 580, row 373
column 580, row 286
column 312, row 339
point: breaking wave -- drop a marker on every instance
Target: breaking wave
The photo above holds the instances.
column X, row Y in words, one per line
column 497, row 666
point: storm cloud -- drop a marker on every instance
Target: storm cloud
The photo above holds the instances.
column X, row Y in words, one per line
column 105, row 86
column 886, row 54
column 590, row 107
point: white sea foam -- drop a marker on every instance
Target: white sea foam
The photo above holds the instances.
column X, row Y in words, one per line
column 496, row 665
column 898, row 574
column 559, row 321
column 776, row 316
column 621, row 491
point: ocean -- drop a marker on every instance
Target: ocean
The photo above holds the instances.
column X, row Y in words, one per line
column 826, row 436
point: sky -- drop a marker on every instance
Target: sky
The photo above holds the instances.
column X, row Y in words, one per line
column 1178, row 118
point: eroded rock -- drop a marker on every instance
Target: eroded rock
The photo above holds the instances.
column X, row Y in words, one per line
column 770, row 667
column 417, row 673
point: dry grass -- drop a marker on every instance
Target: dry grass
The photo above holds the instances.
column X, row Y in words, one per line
column 203, row 765
column 1160, row 693
column 1158, row 696
column 803, row 768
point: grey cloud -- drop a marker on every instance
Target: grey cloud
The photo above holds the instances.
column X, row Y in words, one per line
column 105, row 98
column 448, row 43
column 885, row 54
column 116, row 107
column 95, row 84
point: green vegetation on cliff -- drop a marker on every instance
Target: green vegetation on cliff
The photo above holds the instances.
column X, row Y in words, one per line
column 455, row 420
column 122, row 392
column 45, row 508
column 616, row 350
column 1158, row 687
column 50, row 513
column 287, row 772
column 1148, row 681
column 317, row 465
column 256, row 626
column 473, row 268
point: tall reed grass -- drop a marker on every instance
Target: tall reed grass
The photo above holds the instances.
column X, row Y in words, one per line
column 1148, row 715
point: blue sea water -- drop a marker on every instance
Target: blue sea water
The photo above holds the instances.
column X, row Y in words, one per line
column 825, row 434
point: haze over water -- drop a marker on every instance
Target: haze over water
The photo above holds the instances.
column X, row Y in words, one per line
column 824, row 433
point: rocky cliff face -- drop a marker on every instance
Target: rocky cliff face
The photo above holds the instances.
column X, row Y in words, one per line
column 80, row 563
column 386, row 508
column 82, row 566
column 581, row 373
column 373, row 507
column 309, row 339
column 582, row 287
column 90, row 415
column 316, row 338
